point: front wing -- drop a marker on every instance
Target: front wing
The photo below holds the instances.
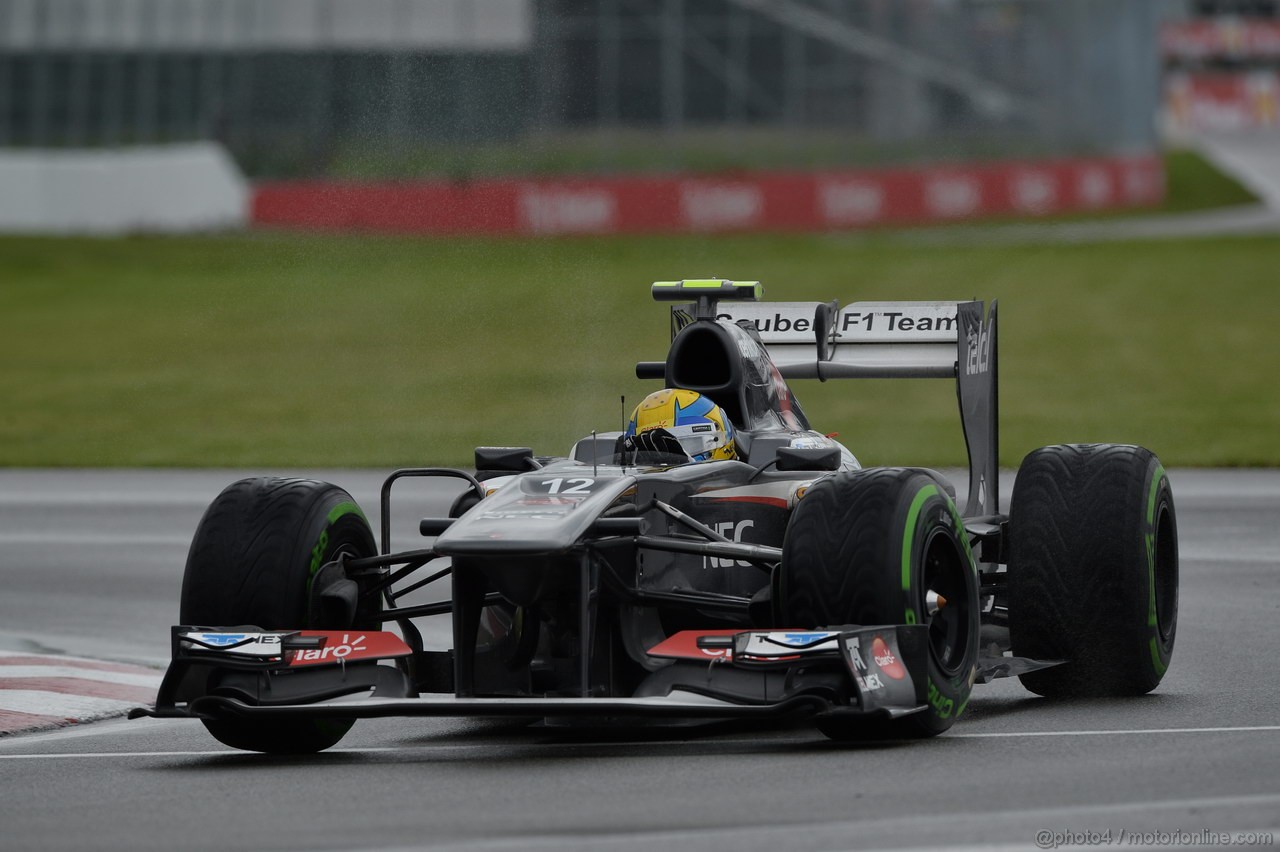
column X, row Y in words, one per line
column 873, row 672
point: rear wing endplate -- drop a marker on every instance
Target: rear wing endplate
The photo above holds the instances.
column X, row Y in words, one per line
column 882, row 340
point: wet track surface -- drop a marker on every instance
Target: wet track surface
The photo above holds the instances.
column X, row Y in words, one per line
column 91, row 565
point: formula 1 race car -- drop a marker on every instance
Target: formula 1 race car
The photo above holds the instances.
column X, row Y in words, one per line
column 632, row 581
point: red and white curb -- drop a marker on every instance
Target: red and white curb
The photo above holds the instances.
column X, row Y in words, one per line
column 41, row 691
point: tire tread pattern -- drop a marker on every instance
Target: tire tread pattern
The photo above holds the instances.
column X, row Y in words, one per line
column 244, row 565
column 828, row 560
column 1078, row 569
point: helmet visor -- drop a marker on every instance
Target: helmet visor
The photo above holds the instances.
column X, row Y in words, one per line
column 699, row 440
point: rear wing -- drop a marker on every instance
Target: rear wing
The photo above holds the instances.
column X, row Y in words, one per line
column 864, row 340
column 877, row 340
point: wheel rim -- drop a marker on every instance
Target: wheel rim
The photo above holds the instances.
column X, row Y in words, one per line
column 947, row 574
column 1165, row 579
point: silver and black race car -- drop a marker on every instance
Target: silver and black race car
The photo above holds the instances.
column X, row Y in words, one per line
column 629, row 582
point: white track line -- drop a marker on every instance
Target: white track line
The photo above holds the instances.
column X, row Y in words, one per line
column 453, row 747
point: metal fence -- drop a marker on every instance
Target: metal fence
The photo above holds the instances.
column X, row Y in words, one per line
column 401, row 88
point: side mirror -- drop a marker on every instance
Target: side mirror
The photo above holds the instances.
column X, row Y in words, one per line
column 505, row 459
column 651, row 370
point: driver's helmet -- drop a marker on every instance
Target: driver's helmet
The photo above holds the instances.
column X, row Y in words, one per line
column 692, row 420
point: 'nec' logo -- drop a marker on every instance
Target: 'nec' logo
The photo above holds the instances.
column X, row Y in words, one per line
column 732, row 531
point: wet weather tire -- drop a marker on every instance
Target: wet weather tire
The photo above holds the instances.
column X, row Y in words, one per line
column 863, row 548
column 1093, row 569
column 253, row 560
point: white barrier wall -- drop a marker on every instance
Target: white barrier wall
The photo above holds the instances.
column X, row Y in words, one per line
column 167, row 188
column 238, row 26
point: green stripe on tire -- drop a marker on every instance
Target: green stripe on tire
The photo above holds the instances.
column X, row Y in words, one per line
column 347, row 507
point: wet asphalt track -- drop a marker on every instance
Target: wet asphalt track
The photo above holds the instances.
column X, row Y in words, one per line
column 90, row 563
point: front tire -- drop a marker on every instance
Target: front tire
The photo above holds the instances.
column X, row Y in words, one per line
column 1093, row 572
column 254, row 561
column 866, row 548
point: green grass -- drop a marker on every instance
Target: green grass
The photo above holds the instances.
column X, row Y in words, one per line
column 1192, row 183
column 322, row 351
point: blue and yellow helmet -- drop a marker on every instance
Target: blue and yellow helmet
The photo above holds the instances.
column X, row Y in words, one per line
column 697, row 423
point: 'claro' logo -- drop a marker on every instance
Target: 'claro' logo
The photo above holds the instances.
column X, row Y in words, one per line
column 886, row 660
column 331, row 653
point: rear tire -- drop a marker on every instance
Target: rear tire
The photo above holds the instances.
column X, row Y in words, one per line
column 255, row 554
column 864, row 548
column 1093, row 570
